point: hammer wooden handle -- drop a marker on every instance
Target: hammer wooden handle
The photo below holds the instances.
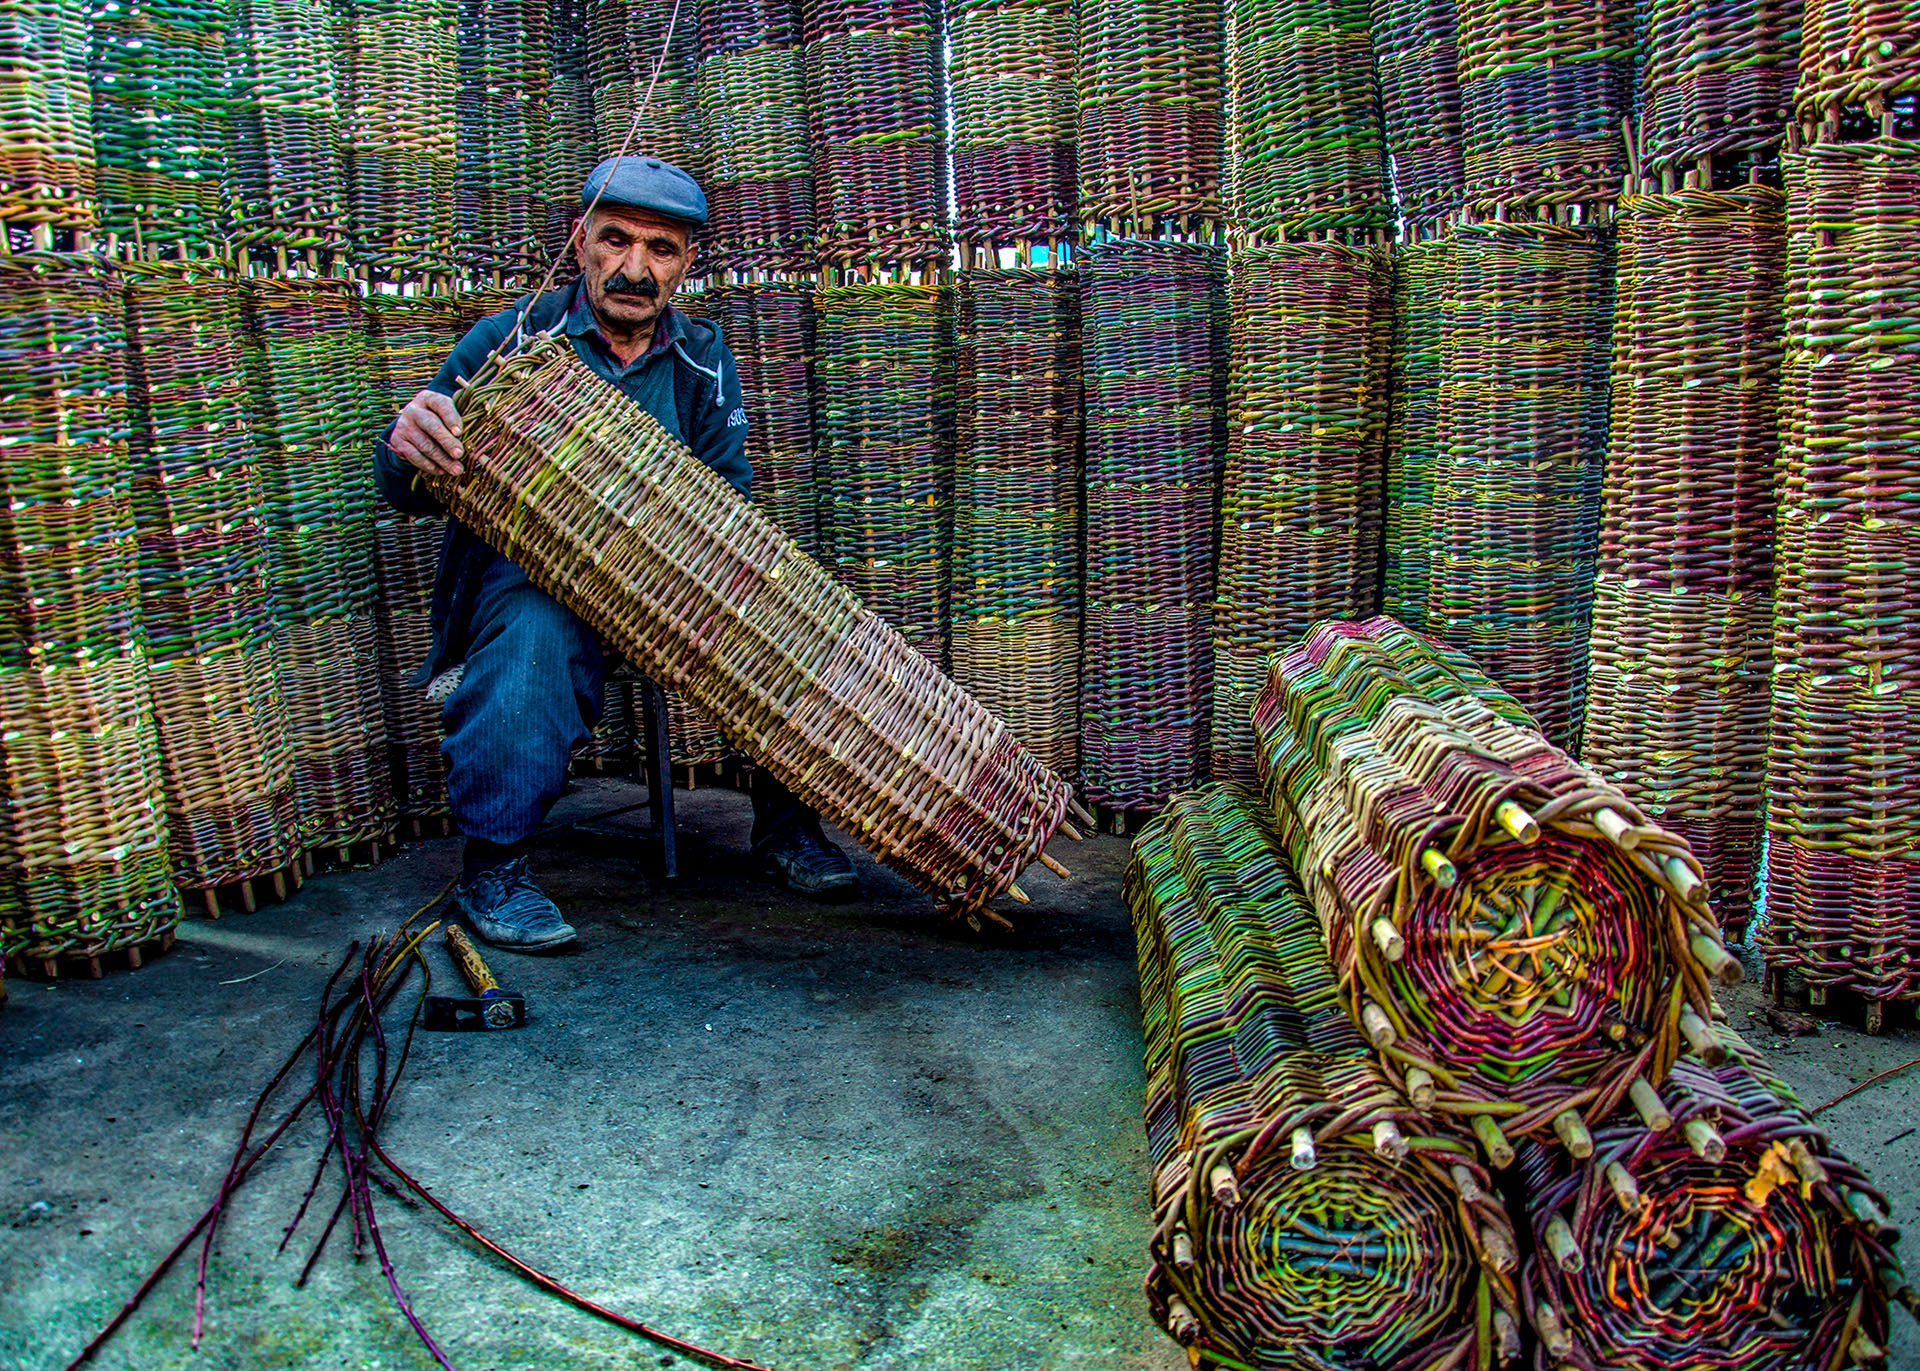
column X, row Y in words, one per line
column 467, row 958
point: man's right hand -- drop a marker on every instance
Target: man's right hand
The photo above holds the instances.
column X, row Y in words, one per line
column 427, row 434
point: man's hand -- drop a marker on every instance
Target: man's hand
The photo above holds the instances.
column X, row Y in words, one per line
column 427, row 434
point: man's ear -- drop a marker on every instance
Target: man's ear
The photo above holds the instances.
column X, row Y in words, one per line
column 580, row 241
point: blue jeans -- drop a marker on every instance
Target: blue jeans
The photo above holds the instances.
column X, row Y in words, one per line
column 531, row 693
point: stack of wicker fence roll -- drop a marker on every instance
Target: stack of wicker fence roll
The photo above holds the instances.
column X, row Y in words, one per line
column 83, row 841
column 1436, row 945
column 47, row 168
column 1679, row 684
column 705, row 595
column 1016, row 538
column 307, row 373
column 227, row 763
column 883, row 465
column 1152, row 337
column 1420, row 288
column 1306, row 1216
column 1843, row 884
column 573, row 136
column 1417, row 56
column 1523, row 945
column 642, row 58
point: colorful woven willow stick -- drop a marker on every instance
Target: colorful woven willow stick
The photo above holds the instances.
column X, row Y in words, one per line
column 160, row 119
column 227, row 764
column 701, row 592
column 573, row 137
column 1523, row 440
column 1421, row 285
column 1522, row 945
column 1417, row 55
column 1308, row 153
column 400, row 87
column 1152, row 110
column 500, row 143
column 1856, row 54
column 1016, row 532
column 1306, row 1218
column 1153, row 339
column 1733, row 1237
column 285, row 172
column 1679, row 683
column 1843, row 886
column 46, row 124
column 1544, row 85
column 874, row 102
column 1015, row 112
column 83, row 841
column 759, row 168
column 1301, row 502
column 409, row 336
column 1716, row 78
column 307, row 372
column 884, row 464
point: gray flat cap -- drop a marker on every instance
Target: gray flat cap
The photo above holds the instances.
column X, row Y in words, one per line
column 646, row 183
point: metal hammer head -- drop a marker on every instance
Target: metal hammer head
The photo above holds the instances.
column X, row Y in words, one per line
column 496, row 1009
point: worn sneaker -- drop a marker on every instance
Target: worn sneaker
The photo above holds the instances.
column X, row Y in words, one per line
column 507, row 909
column 801, row 859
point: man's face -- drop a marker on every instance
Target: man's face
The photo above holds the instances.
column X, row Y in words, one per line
column 632, row 262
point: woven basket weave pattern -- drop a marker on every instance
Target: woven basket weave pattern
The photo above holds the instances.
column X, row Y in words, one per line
column 46, row 124
column 1015, row 115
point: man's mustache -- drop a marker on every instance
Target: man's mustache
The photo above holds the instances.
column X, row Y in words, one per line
column 645, row 287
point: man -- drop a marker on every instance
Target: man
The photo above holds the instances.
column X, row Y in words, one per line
column 529, row 686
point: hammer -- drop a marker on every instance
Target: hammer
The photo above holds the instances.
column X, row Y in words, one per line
column 491, row 1008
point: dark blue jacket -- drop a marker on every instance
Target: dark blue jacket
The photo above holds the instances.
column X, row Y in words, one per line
column 686, row 380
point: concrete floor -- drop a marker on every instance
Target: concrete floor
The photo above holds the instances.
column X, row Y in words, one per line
column 817, row 1138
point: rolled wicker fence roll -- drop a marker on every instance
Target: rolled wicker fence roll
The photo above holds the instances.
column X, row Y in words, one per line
column 572, row 146
column 308, row 373
column 1516, row 938
column 1417, row 55
column 769, row 328
column 1843, row 885
column 1715, row 77
column 626, row 41
column 208, row 620
column 1421, row 284
column 883, row 459
column 158, row 74
column 1308, row 151
column 1017, row 580
column 1679, row 684
column 758, row 164
column 503, row 123
column 732, row 25
column 83, row 840
column 700, row 591
column 287, row 175
column 1856, row 54
column 611, row 749
column 399, row 89
column 1301, row 504
column 1015, row 115
column 1305, row 1216
column 1735, row 1237
column 1151, row 142
column 1152, row 343
column 1543, row 90
column 406, row 556
column 874, row 105
column 1523, row 436
column 46, row 124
